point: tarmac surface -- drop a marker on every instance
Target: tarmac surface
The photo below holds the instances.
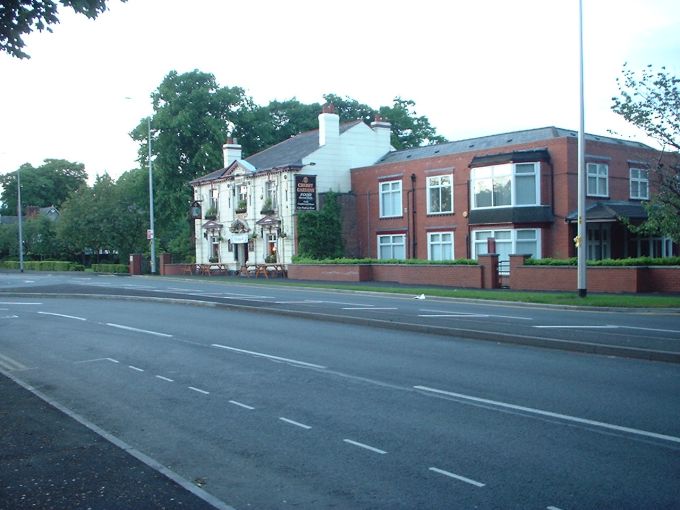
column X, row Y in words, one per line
column 49, row 460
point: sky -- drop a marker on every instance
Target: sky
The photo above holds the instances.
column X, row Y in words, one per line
column 473, row 68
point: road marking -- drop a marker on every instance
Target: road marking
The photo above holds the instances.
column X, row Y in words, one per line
column 11, row 364
column 296, row 423
column 305, row 302
column 370, row 308
column 128, row 328
column 652, row 329
column 268, row 356
column 552, row 508
column 577, row 327
column 63, row 315
column 550, row 414
column 365, row 446
column 244, row 406
column 112, row 360
column 164, row 378
column 199, row 390
column 457, row 477
column 434, row 313
column 136, row 368
column 9, row 303
column 459, row 315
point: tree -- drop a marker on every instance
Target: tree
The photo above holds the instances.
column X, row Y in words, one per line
column 320, row 232
column 47, row 185
column 21, row 17
column 650, row 100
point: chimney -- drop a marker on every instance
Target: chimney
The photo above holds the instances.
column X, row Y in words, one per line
column 232, row 151
column 383, row 131
column 329, row 125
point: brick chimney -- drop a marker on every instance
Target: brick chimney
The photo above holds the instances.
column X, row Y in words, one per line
column 329, row 125
column 232, row 151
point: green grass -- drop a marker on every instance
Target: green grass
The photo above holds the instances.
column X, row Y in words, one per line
column 549, row 298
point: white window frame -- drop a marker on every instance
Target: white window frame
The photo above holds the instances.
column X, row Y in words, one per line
column 437, row 239
column 392, row 191
column 599, row 247
column 513, row 183
column 508, row 240
column 640, row 178
column 391, row 241
column 434, row 183
column 270, row 193
column 600, row 173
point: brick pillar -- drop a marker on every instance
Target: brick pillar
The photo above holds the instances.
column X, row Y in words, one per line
column 516, row 261
column 489, row 265
column 165, row 258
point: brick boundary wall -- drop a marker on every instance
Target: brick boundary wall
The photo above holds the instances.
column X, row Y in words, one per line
column 617, row 279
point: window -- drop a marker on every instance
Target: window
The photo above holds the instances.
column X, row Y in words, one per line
column 598, row 242
column 392, row 246
column 650, row 247
column 213, row 198
column 639, row 184
column 598, row 179
column 440, row 194
column 270, row 193
column 440, row 246
column 525, row 241
column 390, row 199
column 505, row 185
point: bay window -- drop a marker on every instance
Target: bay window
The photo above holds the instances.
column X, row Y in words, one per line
column 507, row 185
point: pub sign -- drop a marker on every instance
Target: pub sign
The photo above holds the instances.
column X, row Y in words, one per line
column 305, row 192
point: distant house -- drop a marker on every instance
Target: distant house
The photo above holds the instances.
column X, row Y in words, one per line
column 249, row 207
column 31, row 212
column 446, row 201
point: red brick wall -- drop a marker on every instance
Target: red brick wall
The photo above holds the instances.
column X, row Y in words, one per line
column 330, row 272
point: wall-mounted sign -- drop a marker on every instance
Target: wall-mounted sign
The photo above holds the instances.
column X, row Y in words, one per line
column 305, row 192
column 239, row 238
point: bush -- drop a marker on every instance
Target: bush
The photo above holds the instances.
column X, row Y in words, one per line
column 639, row 261
column 110, row 268
column 457, row 262
column 43, row 265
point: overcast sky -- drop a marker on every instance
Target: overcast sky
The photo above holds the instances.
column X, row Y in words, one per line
column 473, row 68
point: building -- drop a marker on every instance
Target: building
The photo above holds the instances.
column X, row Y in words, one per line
column 248, row 208
column 446, row 201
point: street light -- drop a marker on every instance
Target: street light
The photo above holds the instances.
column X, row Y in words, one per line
column 151, row 233
column 581, row 240
column 21, row 236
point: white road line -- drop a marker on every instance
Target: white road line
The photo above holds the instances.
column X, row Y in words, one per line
column 552, row 508
column 268, row 356
column 577, row 327
column 565, row 417
column 305, row 302
column 652, row 329
column 128, row 328
column 457, row 477
column 63, row 315
column 244, row 406
column 11, row 364
column 346, row 304
column 164, row 378
column 296, row 423
column 199, row 390
column 136, row 368
column 10, row 303
column 365, row 446
column 458, row 315
column 112, row 360
column 370, row 308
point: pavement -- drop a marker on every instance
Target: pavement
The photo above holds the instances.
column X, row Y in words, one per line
column 51, row 460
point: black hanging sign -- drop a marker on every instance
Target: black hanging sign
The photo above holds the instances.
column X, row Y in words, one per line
column 305, row 192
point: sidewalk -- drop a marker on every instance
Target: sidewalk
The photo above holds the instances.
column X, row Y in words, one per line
column 50, row 461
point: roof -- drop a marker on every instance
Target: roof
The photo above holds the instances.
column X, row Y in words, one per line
column 497, row 141
column 611, row 211
column 288, row 153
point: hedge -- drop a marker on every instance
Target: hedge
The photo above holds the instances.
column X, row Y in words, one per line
column 639, row 261
column 456, row 262
column 110, row 268
column 43, row 265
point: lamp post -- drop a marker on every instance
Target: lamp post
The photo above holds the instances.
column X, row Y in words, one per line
column 21, row 236
column 151, row 234
column 581, row 240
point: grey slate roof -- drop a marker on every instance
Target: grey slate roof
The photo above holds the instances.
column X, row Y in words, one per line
column 611, row 211
column 284, row 154
column 498, row 141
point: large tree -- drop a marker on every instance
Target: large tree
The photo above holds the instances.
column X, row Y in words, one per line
column 44, row 186
column 650, row 100
column 19, row 18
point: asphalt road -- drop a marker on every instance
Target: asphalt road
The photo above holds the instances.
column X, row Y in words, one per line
column 273, row 411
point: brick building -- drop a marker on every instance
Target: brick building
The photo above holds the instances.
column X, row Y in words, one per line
column 444, row 201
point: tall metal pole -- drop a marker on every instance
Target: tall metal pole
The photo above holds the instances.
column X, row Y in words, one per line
column 581, row 236
column 151, row 222
column 21, row 235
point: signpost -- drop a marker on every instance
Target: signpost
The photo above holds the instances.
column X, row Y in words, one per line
column 305, row 192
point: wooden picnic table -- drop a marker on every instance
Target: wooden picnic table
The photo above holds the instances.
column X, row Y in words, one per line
column 266, row 270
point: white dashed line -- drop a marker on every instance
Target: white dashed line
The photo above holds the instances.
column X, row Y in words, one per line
column 199, row 390
column 63, row 315
column 128, row 328
column 136, row 368
column 296, row 423
column 457, row 477
column 268, row 356
column 239, row 404
column 365, row 446
column 164, row 378
column 370, row 308
column 577, row 327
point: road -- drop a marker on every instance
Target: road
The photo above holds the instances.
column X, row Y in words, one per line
column 267, row 410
